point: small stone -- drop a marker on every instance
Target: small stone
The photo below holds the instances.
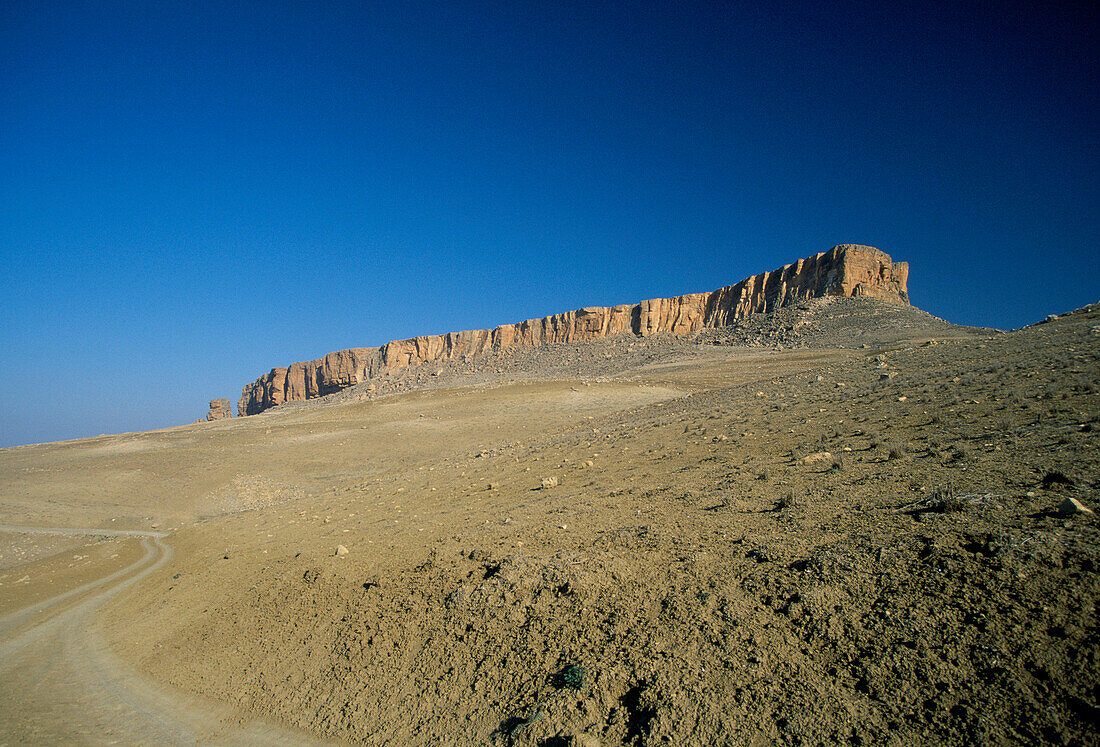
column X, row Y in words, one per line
column 588, row 462
column 549, row 482
column 820, row 456
column 494, row 486
column 720, row 437
column 1071, row 506
column 341, row 550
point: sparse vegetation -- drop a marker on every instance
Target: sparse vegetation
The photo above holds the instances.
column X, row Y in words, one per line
column 787, row 502
column 945, row 501
column 572, row 677
column 960, row 452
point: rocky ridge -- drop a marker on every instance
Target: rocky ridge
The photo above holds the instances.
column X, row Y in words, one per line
column 848, row 270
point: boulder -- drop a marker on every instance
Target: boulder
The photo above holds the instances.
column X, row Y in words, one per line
column 1071, row 507
column 219, row 409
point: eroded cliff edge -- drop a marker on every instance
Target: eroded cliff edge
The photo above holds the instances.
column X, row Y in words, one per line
column 844, row 270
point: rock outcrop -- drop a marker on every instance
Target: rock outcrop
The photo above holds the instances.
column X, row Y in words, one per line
column 219, row 409
column 844, row 270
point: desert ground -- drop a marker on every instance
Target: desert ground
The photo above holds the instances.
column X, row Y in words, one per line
column 843, row 522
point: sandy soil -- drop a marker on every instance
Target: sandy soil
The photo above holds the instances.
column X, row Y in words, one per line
column 63, row 684
column 853, row 538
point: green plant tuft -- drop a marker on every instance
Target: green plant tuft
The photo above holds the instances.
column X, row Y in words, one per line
column 573, row 676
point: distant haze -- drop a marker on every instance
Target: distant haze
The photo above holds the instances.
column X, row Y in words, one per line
column 191, row 194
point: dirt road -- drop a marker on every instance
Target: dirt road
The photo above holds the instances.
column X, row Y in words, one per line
column 62, row 684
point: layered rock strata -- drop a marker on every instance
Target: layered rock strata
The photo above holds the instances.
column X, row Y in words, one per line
column 844, row 270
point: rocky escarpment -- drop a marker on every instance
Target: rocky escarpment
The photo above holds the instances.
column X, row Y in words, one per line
column 844, row 270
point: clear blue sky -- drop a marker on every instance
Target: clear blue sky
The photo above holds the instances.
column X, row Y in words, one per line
column 192, row 193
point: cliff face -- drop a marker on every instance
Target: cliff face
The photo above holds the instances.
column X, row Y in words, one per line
column 844, row 270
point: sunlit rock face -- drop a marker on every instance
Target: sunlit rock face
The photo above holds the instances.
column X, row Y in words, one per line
column 844, row 270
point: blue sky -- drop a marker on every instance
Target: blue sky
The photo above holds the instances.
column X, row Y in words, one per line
column 192, row 193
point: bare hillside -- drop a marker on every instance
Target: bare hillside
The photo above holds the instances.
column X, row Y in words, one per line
column 841, row 522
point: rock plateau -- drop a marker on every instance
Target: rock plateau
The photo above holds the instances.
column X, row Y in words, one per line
column 845, row 270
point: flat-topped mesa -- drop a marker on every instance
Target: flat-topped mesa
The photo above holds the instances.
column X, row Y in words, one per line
column 844, row 270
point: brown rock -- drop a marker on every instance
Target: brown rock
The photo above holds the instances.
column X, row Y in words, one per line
column 1071, row 506
column 219, row 409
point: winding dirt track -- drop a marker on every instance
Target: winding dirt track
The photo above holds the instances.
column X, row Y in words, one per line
column 61, row 684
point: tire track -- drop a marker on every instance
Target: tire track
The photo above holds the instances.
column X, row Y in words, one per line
column 62, row 683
